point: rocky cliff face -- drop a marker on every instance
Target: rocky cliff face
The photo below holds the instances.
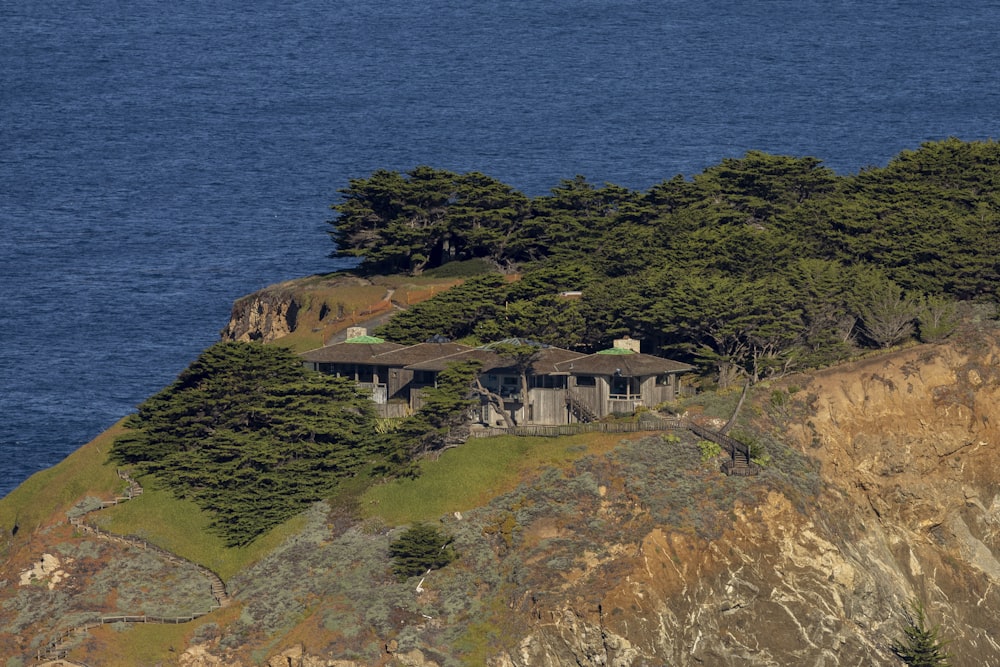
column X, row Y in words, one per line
column 263, row 316
column 314, row 309
column 909, row 509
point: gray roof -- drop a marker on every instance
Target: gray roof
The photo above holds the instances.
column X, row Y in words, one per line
column 549, row 360
column 544, row 364
column 633, row 364
column 348, row 352
column 415, row 354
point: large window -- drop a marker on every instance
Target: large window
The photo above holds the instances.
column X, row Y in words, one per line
column 622, row 386
column 547, row 381
column 423, row 377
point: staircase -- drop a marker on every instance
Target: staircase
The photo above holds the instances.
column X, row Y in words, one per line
column 579, row 409
column 739, row 463
column 56, row 650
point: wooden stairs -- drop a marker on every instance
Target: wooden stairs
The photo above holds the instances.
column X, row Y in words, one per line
column 579, row 409
column 739, row 463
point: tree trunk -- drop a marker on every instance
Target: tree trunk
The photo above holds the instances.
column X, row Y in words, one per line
column 496, row 401
column 732, row 420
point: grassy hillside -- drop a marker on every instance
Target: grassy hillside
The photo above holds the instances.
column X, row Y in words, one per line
column 473, row 474
column 48, row 494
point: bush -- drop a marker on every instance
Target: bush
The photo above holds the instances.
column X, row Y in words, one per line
column 709, row 450
column 419, row 549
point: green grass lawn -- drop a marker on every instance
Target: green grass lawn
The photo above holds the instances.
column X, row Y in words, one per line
column 181, row 527
column 471, row 475
column 83, row 473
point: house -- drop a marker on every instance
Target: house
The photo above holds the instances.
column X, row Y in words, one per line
column 381, row 367
column 562, row 386
column 620, row 380
column 501, row 376
column 352, row 359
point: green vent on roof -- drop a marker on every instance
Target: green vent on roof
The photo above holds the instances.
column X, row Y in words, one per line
column 616, row 350
column 371, row 340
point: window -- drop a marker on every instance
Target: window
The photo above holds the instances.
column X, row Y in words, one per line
column 586, row 381
column 509, row 386
column 664, row 380
column 423, row 377
column 547, row 381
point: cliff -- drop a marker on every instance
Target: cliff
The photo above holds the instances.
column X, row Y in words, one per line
column 906, row 507
column 310, row 312
column 879, row 488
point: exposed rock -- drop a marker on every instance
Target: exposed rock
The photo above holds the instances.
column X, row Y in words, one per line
column 263, row 316
column 278, row 310
column 200, row 655
column 47, row 570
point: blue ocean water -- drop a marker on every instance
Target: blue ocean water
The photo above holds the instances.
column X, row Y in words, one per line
column 159, row 160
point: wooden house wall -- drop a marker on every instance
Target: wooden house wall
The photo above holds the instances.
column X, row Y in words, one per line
column 548, row 406
column 593, row 396
column 399, row 382
column 490, row 417
column 650, row 392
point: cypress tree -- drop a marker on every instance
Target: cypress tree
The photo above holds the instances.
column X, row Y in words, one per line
column 921, row 645
column 420, row 549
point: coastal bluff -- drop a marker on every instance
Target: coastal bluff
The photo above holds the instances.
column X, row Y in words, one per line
column 625, row 553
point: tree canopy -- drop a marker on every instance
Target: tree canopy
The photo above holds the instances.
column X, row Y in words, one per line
column 757, row 265
column 251, row 436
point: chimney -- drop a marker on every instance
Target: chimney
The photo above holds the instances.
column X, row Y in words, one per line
column 627, row 343
column 356, row 332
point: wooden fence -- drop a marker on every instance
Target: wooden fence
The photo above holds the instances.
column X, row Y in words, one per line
column 532, row 430
column 56, row 648
column 739, row 452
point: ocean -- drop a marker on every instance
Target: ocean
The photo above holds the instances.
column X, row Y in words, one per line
column 159, row 160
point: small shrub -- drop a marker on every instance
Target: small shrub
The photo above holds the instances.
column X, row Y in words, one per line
column 709, row 450
column 419, row 549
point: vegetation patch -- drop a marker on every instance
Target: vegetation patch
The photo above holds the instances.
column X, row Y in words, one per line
column 183, row 528
column 471, row 475
column 420, row 549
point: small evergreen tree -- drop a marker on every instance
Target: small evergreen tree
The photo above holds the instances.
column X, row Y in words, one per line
column 420, row 549
column 921, row 646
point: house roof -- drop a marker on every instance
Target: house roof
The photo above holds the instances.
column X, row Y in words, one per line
column 415, row 354
column 487, row 358
column 622, row 362
column 548, row 360
column 545, row 363
column 353, row 351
